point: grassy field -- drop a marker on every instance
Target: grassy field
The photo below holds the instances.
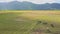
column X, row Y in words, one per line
column 30, row 22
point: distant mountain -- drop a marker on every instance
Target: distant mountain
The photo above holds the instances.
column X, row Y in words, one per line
column 15, row 5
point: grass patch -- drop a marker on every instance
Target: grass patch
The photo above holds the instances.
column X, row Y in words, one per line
column 26, row 22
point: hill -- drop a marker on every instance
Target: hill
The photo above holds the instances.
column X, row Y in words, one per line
column 15, row 5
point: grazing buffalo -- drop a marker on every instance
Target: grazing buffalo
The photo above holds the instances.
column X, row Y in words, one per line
column 52, row 25
column 39, row 22
column 45, row 23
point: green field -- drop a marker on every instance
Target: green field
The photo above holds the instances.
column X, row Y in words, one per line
column 30, row 22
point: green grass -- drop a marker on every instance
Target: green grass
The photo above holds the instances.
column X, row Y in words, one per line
column 25, row 22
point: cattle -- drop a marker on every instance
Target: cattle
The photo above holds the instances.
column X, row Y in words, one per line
column 45, row 23
column 39, row 22
column 52, row 25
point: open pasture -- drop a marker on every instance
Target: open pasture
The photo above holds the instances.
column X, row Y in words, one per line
column 30, row 22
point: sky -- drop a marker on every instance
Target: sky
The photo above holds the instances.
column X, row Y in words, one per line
column 34, row 1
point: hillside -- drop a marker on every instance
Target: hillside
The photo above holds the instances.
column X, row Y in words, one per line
column 15, row 5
